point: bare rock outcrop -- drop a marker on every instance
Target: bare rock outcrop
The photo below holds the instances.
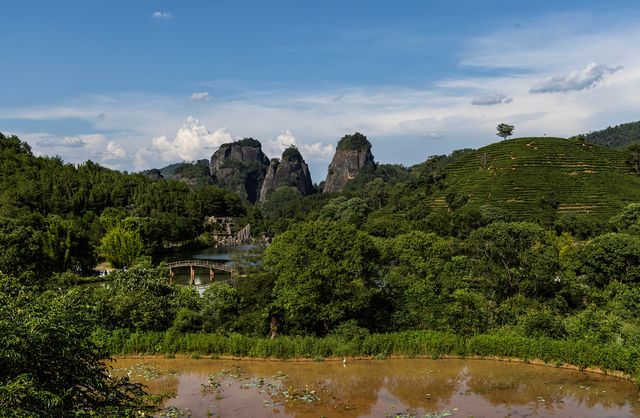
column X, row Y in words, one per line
column 353, row 154
column 241, row 167
column 291, row 170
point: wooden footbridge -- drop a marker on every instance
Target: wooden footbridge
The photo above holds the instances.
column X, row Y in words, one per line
column 193, row 264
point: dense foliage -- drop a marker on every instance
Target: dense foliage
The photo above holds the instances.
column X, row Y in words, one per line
column 57, row 217
column 433, row 259
column 608, row 356
column 291, row 154
column 619, row 137
column 54, row 216
column 355, row 141
column 249, row 142
column 48, row 364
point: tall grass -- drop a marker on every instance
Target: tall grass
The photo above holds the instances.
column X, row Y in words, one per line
column 611, row 357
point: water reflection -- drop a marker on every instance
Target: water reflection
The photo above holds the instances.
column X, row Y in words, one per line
column 202, row 279
column 384, row 388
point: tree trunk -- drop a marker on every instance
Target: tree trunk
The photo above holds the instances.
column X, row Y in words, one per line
column 273, row 326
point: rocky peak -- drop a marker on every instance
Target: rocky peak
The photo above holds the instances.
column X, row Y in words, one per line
column 240, row 166
column 291, row 170
column 154, row 174
column 353, row 154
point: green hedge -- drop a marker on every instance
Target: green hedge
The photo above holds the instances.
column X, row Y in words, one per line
column 612, row 357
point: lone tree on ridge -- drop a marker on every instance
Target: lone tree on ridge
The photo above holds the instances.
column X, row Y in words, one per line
column 505, row 130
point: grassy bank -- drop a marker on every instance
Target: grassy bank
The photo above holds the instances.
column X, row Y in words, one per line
column 582, row 354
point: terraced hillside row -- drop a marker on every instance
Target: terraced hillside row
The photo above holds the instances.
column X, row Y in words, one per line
column 530, row 176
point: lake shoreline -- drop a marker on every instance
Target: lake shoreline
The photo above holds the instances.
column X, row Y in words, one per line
column 395, row 386
column 534, row 362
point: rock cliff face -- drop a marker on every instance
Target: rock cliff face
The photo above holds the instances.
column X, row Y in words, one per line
column 353, row 154
column 241, row 167
column 291, row 170
column 154, row 174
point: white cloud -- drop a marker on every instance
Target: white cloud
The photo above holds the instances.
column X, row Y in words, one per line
column 491, row 99
column 65, row 142
column 164, row 15
column 192, row 141
column 283, row 141
column 316, row 151
column 586, row 78
column 143, row 158
column 202, row 96
column 397, row 119
column 77, row 149
column 113, row 152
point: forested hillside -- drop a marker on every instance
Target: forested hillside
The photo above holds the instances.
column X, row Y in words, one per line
column 526, row 248
column 54, row 216
column 618, row 137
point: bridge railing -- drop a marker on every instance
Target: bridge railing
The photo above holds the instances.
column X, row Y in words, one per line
column 201, row 263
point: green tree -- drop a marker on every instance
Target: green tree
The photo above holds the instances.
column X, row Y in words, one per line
column 48, row 364
column 608, row 258
column 468, row 312
column 22, row 252
column 220, row 304
column 326, row 274
column 67, row 245
column 514, row 257
column 505, row 130
column 341, row 209
column 121, row 247
column 627, row 218
column 139, row 298
column 420, row 278
column 376, row 193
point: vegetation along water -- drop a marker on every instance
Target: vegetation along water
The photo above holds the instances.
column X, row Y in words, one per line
column 526, row 249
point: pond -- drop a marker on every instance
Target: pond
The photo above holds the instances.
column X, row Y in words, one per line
column 379, row 388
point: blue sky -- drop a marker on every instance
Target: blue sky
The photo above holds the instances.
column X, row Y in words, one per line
column 140, row 84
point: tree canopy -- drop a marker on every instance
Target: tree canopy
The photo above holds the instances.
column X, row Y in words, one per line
column 505, row 130
column 326, row 274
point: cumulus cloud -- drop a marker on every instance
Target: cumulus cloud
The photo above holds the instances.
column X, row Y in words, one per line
column 491, row 99
column 190, row 143
column 576, row 80
column 113, row 152
column 142, row 158
column 163, row 15
column 202, row 96
column 316, row 151
column 66, row 142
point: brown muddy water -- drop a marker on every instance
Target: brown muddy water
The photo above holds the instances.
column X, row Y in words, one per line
column 379, row 388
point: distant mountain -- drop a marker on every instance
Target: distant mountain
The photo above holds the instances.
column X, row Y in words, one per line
column 243, row 168
column 194, row 174
column 617, row 137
